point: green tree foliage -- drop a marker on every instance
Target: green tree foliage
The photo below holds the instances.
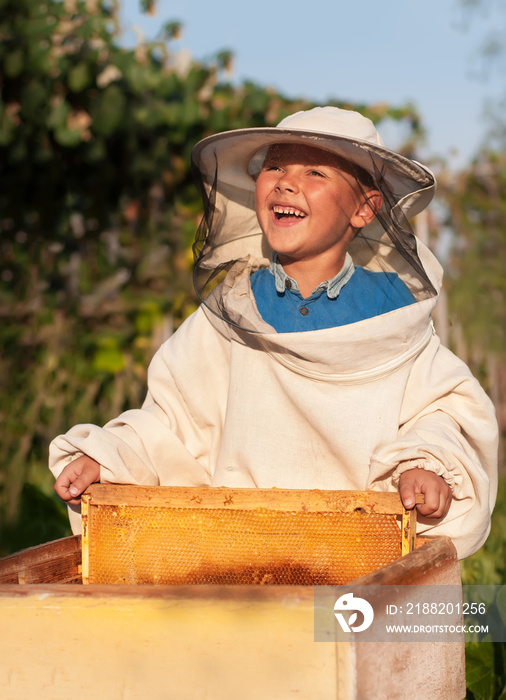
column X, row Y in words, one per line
column 477, row 289
column 97, row 215
column 476, row 204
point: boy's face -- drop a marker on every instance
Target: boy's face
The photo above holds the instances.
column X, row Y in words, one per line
column 307, row 205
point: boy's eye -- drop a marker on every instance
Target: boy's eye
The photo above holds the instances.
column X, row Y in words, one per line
column 318, row 173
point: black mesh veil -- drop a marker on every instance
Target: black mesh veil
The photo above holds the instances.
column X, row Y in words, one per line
column 230, row 244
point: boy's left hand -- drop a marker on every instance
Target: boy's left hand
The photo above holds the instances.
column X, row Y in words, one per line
column 438, row 495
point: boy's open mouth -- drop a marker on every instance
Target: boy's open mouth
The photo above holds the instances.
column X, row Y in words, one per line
column 287, row 212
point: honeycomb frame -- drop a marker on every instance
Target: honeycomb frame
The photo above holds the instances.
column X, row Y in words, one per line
column 188, row 535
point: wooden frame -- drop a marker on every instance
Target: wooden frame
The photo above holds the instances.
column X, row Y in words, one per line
column 287, row 500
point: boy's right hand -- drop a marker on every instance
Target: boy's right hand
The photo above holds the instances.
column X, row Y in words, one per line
column 75, row 478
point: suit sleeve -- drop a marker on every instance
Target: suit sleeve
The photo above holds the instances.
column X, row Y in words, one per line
column 447, row 425
column 174, row 437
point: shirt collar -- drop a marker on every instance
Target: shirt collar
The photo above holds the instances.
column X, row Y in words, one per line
column 332, row 286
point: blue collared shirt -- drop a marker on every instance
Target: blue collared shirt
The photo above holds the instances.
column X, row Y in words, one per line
column 354, row 294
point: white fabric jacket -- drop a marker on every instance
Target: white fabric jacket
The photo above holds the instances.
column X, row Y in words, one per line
column 341, row 408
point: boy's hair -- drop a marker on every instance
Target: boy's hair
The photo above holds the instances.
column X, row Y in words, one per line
column 364, row 178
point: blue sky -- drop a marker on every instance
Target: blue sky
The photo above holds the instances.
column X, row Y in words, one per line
column 360, row 50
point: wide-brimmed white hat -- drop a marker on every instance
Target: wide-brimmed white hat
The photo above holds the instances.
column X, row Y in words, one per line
column 227, row 163
column 348, row 134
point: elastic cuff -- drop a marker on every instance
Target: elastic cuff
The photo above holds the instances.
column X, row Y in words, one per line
column 420, row 463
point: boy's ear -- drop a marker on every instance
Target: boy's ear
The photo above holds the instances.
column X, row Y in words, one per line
column 367, row 209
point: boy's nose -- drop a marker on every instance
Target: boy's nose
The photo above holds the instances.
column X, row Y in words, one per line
column 287, row 182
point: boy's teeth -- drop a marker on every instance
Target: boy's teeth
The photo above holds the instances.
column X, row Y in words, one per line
column 288, row 211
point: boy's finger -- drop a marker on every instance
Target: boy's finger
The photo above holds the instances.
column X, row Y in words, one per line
column 75, row 490
column 407, row 494
column 432, row 500
column 79, row 485
column 75, row 479
column 437, row 501
column 62, row 484
column 67, row 492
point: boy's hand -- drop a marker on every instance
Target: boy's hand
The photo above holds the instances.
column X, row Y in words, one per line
column 438, row 495
column 75, row 478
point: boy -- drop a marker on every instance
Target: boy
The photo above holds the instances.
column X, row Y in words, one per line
column 320, row 369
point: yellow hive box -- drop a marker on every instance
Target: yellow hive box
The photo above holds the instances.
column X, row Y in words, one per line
column 176, row 535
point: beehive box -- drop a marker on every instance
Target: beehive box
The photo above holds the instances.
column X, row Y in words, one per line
column 220, row 642
column 174, row 535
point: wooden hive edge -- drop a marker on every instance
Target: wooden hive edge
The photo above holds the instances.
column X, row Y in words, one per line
column 58, row 561
column 307, row 500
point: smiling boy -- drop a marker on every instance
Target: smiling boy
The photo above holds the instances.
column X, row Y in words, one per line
column 310, row 206
column 309, row 209
column 312, row 362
